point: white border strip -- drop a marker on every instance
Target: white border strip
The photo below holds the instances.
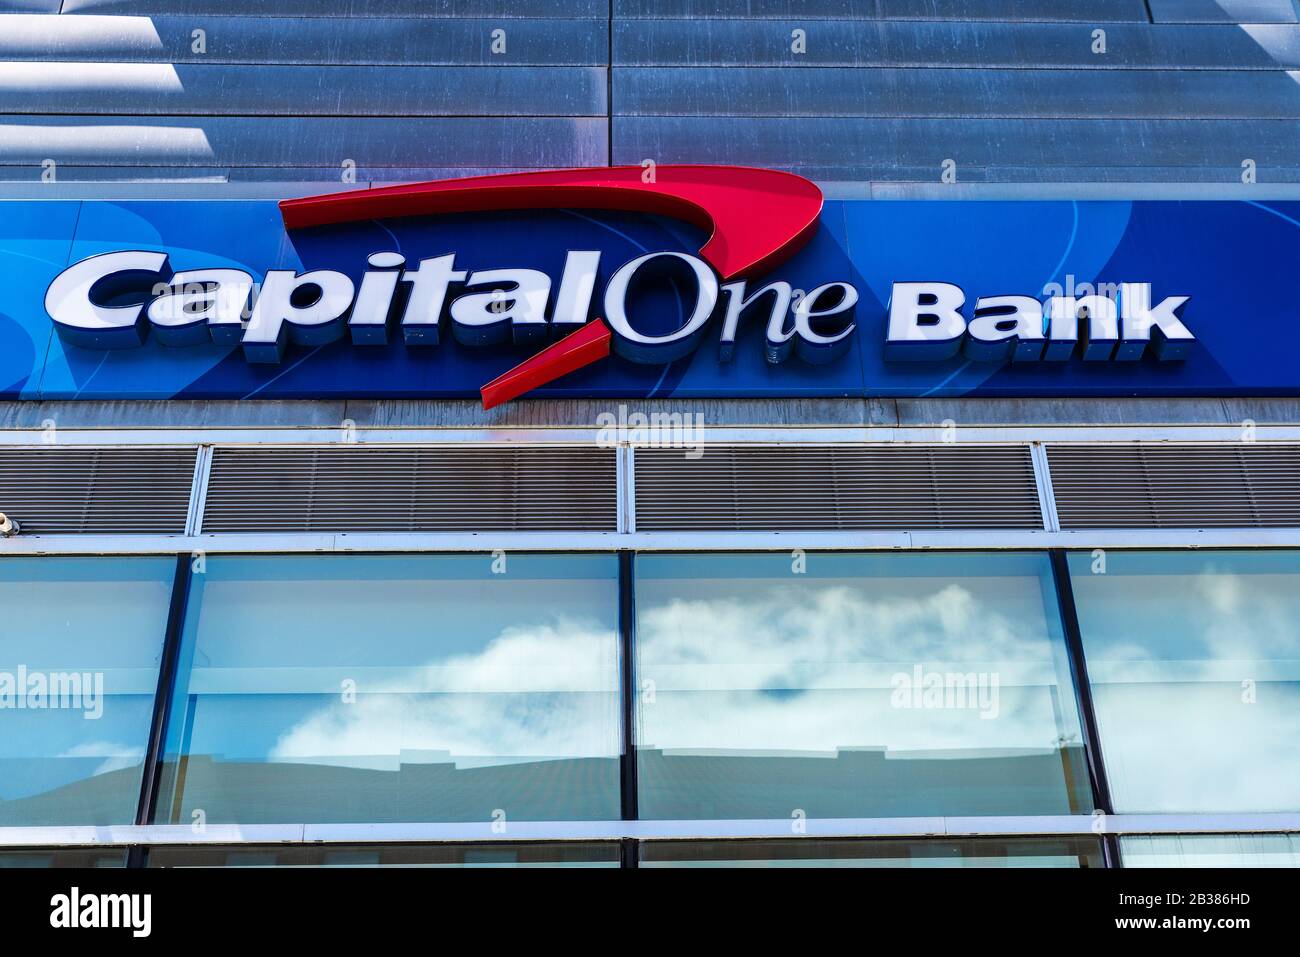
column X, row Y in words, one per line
column 199, row 490
column 485, row 831
column 357, row 542
column 629, row 488
column 1046, row 494
column 620, row 496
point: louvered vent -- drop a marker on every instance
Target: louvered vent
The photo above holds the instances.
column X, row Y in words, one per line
column 810, row 487
column 1176, row 485
column 443, row 489
column 61, row 490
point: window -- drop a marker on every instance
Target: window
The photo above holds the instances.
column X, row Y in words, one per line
column 853, row 685
column 79, row 857
column 1194, row 663
column 976, row 852
column 1211, row 850
column 79, row 657
column 531, row 854
column 397, row 688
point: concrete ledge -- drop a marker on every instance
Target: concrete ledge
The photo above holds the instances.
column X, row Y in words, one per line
column 584, row 413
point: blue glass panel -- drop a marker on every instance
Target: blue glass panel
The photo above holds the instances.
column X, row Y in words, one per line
column 397, row 688
column 853, row 686
column 79, row 653
column 810, row 852
column 1210, row 850
column 532, row 854
column 1194, row 662
column 78, row 857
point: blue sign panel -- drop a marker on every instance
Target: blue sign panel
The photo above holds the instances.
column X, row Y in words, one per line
column 1230, row 261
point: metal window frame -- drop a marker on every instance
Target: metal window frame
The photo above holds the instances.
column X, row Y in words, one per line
column 128, row 835
column 168, row 666
column 1092, row 751
column 389, row 542
column 629, row 793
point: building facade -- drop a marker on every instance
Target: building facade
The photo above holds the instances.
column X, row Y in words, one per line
column 832, row 434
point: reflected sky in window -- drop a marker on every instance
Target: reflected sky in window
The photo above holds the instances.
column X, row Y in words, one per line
column 93, row 629
column 395, row 688
column 1194, row 662
column 867, row 684
column 1211, row 850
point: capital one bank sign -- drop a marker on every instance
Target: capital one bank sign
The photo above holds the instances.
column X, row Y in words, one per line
column 759, row 220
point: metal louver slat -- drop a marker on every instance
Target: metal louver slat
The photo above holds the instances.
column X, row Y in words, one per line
column 426, row 489
column 1246, row 485
column 59, row 490
column 830, row 487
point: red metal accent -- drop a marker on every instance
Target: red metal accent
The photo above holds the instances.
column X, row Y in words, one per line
column 759, row 217
column 580, row 348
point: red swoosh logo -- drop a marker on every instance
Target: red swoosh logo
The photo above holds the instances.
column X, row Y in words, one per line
column 759, row 218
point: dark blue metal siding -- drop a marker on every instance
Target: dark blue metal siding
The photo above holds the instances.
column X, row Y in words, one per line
column 1012, row 91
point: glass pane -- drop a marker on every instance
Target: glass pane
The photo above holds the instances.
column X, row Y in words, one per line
column 397, row 688
column 980, row 852
column 1211, row 850
column 1194, row 663
column 64, row 857
column 391, row 855
column 855, row 686
column 79, row 655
